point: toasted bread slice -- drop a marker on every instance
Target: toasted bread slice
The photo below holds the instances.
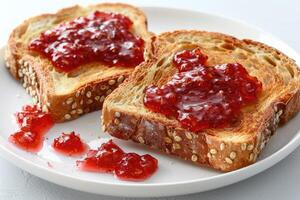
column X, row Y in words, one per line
column 126, row 117
column 68, row 95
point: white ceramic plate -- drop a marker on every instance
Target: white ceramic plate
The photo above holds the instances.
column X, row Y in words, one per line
column 174, row 177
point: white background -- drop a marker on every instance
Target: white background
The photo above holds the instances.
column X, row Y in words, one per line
column 281, row 18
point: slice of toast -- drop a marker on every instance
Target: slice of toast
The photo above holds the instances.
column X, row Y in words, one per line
column 126, row 117
column 68, row 95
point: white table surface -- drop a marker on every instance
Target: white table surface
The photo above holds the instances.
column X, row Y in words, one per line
column 279, row 17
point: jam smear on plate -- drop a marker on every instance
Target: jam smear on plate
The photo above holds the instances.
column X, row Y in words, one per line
column 201, row 96
column 69, row 144
column 109, row 157
column 33, row 125
column 101, row 36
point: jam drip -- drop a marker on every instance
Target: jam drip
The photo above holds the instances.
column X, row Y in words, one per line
column 33, row 124
column 69, row 144
column 101, row 36
column 126, row 166
column 201, row 96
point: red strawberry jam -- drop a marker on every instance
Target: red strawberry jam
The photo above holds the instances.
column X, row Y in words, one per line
column 26, row 140
column 201, row 96
column 135, row 167
column 33, row 124
column 101, row 36
column 69, row 144
column 104, row 159
column 126, row 166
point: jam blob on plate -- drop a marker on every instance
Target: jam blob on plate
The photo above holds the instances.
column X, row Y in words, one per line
column 126, row 166
column 33, row 124
column 69, row 144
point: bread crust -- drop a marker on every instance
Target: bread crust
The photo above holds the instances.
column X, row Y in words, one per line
column 202, row 149
column 206, row 148
column 33, row 72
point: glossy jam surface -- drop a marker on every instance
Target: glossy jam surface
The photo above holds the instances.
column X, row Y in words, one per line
column 135, row 167
column 201, row 96
column 33, row 125
column 69, row 144
column 101, row 36
column 104, row 159
column 126, row 166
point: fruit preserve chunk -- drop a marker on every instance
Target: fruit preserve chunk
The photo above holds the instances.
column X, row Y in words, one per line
column 104, row 159
column 101, row 36
column 126, row 166
column 26, row 140
column 33, row 124
column 135, row 167
column 33, row 119
column 201, row 96
column 69, row 144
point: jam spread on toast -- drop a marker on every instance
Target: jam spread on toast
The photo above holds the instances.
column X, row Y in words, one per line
column 69, row 144
column 201, row 96
column 33, row 124
column 101, row 36
column 126, row 166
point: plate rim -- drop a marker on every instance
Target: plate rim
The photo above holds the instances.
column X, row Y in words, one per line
column 245, row 172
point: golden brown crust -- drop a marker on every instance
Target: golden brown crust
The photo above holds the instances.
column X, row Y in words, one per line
column 37, row 74
column 203, row 149
column 226, row 149
column 291, row 99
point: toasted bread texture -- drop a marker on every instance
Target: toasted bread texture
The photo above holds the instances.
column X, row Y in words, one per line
column 68, row 95
column 126, row 117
